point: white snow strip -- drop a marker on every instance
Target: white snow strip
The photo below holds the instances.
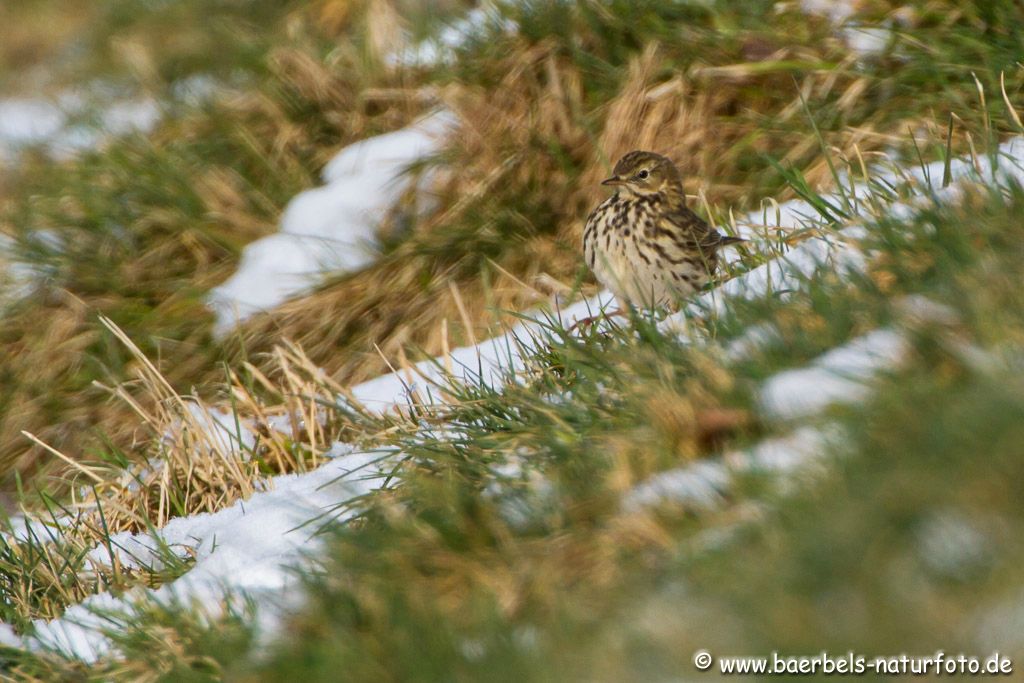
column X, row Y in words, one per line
column 837, row 11
column 842, row 374
column 839, row 376
column 26, row 122
column 702, row 485
column 247, row 547
column 699, row 485
column 490, row 361
column 785, row 454
column 441, row 48
column 329, row 229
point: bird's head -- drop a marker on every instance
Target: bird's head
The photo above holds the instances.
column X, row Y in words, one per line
column 646, row 173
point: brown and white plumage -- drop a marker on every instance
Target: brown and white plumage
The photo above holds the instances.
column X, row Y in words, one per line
column 643, row 243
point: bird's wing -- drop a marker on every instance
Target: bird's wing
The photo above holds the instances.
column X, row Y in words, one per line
column 695, row 230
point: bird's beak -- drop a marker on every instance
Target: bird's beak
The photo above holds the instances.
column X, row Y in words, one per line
column 614, row 180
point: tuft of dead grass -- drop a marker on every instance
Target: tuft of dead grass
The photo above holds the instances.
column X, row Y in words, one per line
column 203, row 459
column 519, row 176
column 148, row 226
column 194, row 458
column 522, row 134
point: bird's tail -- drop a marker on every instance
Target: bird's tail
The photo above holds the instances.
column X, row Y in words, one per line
column 726, row 240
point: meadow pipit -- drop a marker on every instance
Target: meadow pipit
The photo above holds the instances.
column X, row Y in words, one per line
column 643, row 243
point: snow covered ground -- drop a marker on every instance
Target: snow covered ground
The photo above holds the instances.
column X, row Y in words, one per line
column 440, row 49
column 332, row 228
column 242, row 549
column 249, row 546
column 51, row 123
column 864, row 40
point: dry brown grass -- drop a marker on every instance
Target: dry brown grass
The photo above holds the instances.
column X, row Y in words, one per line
column 34, row 34
column 200, row 458
column 193, row 458
column 52, row 345
column 531, row 136
column 46, row 353
column 518, row 180
column 402, row 301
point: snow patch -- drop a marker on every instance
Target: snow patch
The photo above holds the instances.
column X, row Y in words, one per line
column 329, row 229
column 247, row 547
column 837, row 11
column 441, row 49
column 27, row 122
column 839, row 376
column 704, row 485
column 868, row 41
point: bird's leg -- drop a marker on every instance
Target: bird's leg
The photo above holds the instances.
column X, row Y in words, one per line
column 587, row 322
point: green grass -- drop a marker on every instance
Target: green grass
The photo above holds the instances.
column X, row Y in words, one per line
column 46, row 566
column 506, row 552
column 470, row 570
column 181, row 642
column 145, row 226
column 151, row 223
column 437, row 582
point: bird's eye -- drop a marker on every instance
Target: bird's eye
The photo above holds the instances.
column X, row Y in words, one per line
column 642, row 174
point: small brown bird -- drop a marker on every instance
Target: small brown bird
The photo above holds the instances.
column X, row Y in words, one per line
column 643, row 243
